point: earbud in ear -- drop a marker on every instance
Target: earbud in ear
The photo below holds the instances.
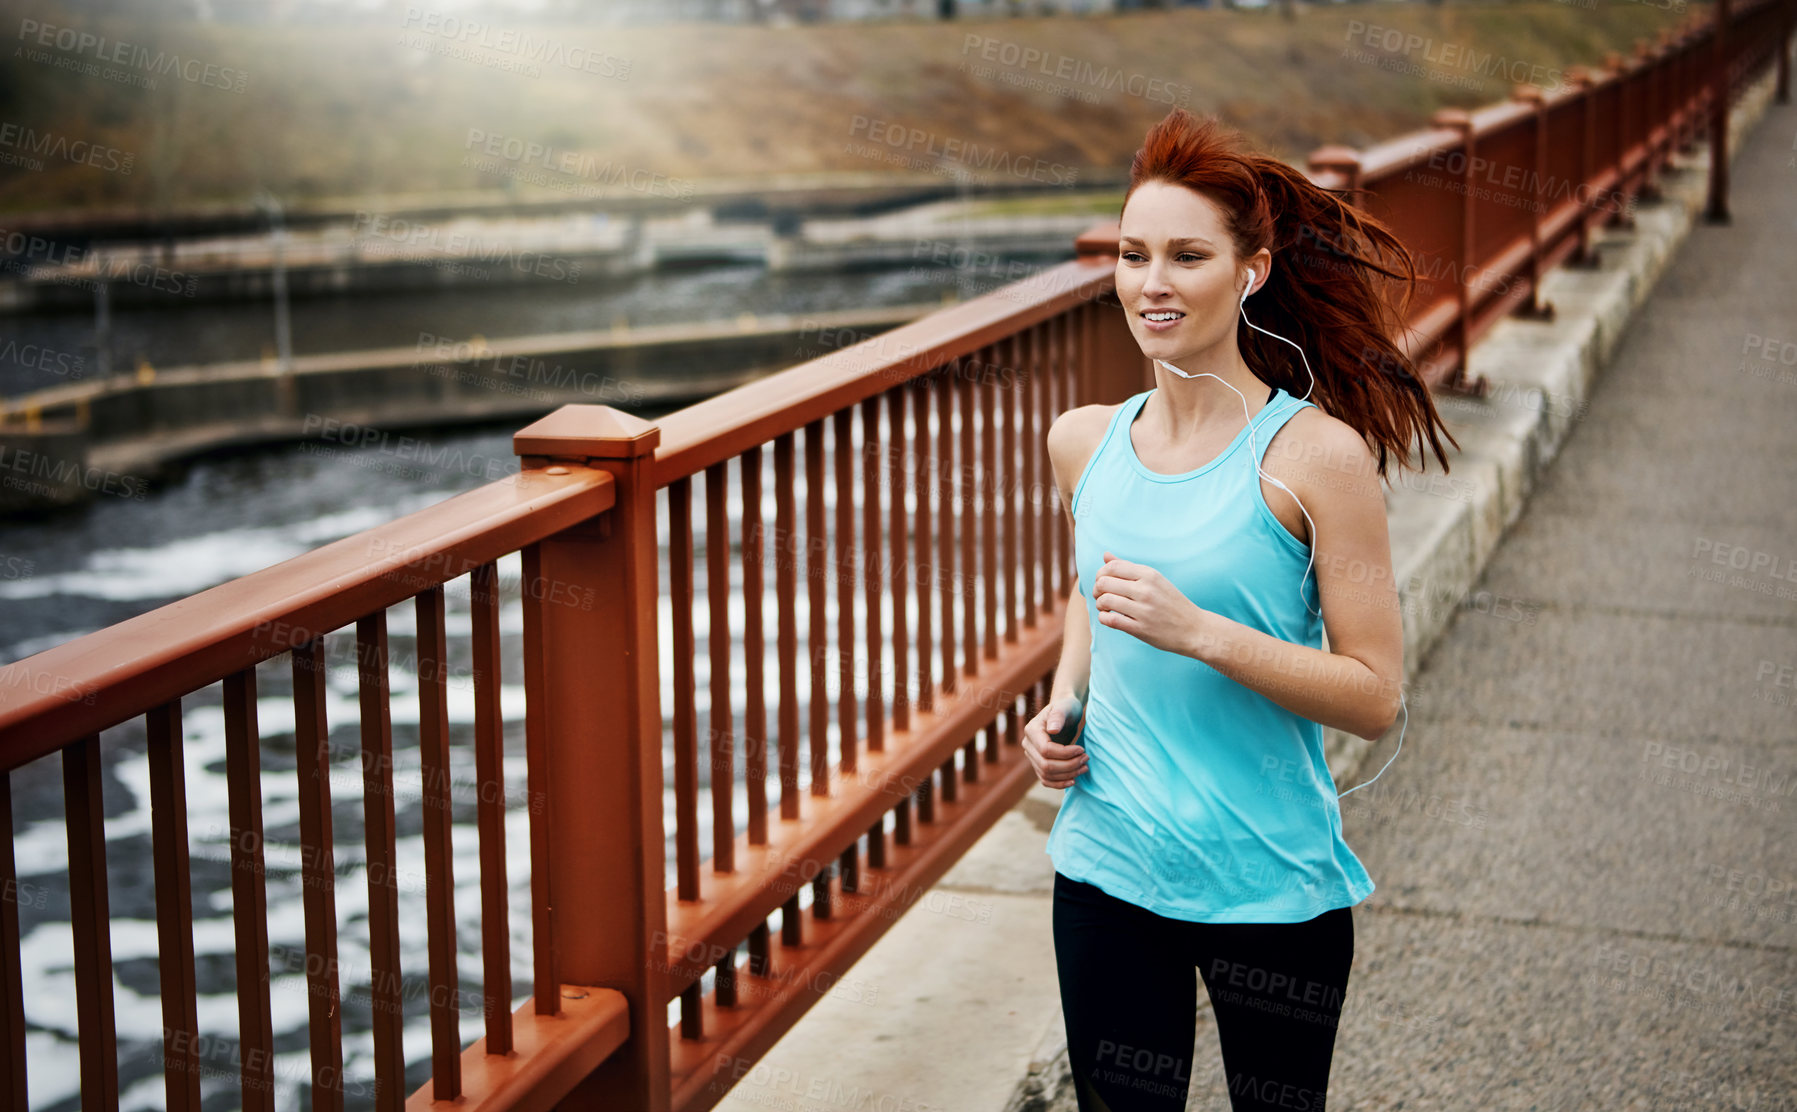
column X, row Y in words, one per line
column 1249, row 288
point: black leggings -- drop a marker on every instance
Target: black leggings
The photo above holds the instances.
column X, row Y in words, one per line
column 1130, row 1002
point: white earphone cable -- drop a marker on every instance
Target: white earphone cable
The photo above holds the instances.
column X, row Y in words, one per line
column 1253, row 448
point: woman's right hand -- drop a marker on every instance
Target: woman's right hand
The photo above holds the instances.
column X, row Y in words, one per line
column 1056, row 764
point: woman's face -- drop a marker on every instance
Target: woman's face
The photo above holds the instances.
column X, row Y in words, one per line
column 1175, row 260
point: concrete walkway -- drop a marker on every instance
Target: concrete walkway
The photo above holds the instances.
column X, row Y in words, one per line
column 1586, row 854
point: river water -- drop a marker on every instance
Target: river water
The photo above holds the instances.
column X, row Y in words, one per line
column 230, row 515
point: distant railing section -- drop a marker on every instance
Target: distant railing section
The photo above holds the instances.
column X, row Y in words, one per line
column 934, row 580
column 1489, row 200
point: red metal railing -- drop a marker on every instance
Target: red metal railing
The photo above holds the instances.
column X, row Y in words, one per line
column 1527, row 181
column 936, row 507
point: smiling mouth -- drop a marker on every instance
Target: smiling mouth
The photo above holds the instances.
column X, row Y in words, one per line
column 1162, row 315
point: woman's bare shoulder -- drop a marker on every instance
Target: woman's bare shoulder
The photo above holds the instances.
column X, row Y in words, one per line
column 1314, row 448
column 1073, row 437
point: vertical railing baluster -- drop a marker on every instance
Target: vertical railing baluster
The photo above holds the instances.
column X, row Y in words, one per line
column 816, row 582
column 898, row 573
column 317, row 872
column 873, row 449
column 489, row 774
column 820, row 893
column 942, row 478
column 1043, row 387
column 1716, row 202
column 720, row 716
column 1623, row 135
column 1027, row 402
column 1658, row 57
column 989, row 484
column 546, row 984
column 921, row 567
column 844, row 550
column 1461, row 245
column 968, row 483
column 12, row 970
column 1009, row 480
column 1080, row 363
column 1641, row 92
column 790, row 932
column 249, row 892
column 848, row 863
column 90, row 923
column 1534, row 97
column 876, row 844
column 1075, row 342
column 439, row 848
column 786, row 612
column 386, row 997
column 758, row 950
column 1683, row 92
column 725, row 979
column 1584, row 86
column 754, row 647
column 174, row 907
column 686, row 725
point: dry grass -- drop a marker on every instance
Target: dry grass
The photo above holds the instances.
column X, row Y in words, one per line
column 355, row 112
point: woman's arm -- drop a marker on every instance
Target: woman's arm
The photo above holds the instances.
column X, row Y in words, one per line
column 1074, row 671
column 1355, row 685
column 1071, row 440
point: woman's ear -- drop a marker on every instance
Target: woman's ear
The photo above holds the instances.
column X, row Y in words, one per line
column 1257, row 275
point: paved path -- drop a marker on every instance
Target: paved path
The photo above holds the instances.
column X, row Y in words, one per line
column 1587, row 851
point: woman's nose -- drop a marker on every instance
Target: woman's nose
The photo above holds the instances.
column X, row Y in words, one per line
column 1154, row 279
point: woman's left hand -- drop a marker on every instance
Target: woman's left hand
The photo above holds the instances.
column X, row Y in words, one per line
column 1141, row 602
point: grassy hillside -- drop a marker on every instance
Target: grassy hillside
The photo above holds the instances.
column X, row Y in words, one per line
column 389, row 109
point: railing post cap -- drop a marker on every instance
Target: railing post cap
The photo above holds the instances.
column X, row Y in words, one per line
column 1528, row 94
column 587, row 432
column 1451, row 117
column 1099, row 239
column 1579, row 76
column 1334, row 156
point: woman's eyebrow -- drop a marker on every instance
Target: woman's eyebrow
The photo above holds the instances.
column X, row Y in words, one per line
column 1200, row 240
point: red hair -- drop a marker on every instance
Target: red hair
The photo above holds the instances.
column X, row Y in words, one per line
column 1328, row 291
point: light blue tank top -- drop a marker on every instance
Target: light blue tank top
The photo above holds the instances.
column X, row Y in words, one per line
column 1202, row 799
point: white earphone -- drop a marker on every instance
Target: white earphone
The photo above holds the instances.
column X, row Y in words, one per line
column 1242, row 307
column 1253, row 447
